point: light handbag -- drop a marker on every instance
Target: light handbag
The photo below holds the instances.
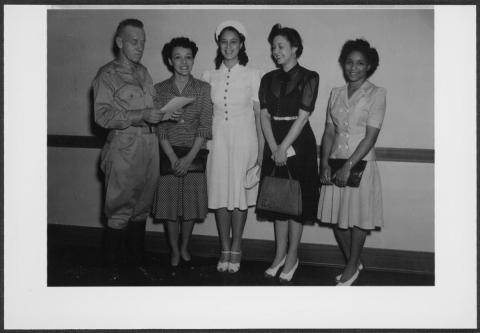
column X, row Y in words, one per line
column 198, row 164
column 280, row 195
column 356, row 171
column 252, row 177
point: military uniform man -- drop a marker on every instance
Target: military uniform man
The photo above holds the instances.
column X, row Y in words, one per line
column 123, row 104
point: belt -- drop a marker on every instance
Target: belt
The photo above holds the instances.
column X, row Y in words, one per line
column 135, row 130
column 284, row 118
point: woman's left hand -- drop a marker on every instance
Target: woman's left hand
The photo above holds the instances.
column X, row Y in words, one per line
column 280, row 156
column 181, row 166
column 341, row 176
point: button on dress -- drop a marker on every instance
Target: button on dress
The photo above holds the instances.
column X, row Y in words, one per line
column 234, row 144
column 354, row 206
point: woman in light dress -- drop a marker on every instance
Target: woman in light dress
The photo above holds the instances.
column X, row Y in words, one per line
column 355, row 114
column 237, row 143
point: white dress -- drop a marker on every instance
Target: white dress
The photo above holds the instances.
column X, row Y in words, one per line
column 234, row 145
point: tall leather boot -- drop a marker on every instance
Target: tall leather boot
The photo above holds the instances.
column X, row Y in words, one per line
column 114, row 253
column 136, row 242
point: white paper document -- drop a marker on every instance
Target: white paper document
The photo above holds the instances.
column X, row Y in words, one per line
column 176, row 104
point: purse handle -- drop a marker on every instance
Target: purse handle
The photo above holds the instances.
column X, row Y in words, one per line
column 275, row 168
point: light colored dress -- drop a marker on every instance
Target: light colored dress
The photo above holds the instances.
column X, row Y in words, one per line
column 234, row 145
column 350, row 206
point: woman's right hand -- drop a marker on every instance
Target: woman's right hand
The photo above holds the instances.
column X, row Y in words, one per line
column 273, row 150
column 280, row 156
column 326, row 175
column 173, row 163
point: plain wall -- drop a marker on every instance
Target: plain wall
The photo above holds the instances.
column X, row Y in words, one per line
column 80, row 41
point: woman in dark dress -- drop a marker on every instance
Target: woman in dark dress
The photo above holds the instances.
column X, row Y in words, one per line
column 287, row 98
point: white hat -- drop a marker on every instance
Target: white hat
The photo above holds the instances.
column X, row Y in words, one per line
column 253, row 176
column 235, row 24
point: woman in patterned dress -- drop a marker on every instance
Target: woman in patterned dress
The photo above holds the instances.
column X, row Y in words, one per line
column 355, row 114
column 287, row 98
column 182, row 196
column 237, row 143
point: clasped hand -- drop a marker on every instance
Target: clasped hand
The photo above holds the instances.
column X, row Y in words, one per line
column 340, row 178
column 180, row 166
column 342, row 175
column 280, row 156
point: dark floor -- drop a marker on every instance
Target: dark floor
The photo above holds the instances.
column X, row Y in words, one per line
column 70, row 265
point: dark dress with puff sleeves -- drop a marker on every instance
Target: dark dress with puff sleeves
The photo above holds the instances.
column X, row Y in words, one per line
column 284, row 94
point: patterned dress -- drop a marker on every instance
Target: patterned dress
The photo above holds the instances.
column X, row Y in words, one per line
column 186, row 196
column 354, row 206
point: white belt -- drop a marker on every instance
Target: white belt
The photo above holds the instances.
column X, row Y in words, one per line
column 284, row 118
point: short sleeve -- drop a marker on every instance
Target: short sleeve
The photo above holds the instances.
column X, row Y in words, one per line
column 206, row 76
column 377, row 110
column 310, row 92
column 262, row 92
column 329, row 119
column 256, row 77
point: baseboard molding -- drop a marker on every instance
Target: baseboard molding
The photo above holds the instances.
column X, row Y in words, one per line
column 259, row 250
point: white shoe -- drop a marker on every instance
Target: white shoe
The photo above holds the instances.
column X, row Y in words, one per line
column 271, row 272
column 222, row 266
column 286, row 277
column 350, row 281
column 234, row 267
column 339, row 276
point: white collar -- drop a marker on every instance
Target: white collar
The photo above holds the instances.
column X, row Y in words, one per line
column 235, row 67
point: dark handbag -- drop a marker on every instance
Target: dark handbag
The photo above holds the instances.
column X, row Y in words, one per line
column 280, row 195
column 198, row 164
column 356, row 171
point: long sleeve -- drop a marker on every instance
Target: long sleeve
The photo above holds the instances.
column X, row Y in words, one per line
column 161, row 98
column 204, row 129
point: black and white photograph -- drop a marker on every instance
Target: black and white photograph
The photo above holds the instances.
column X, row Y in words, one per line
column 212, row 162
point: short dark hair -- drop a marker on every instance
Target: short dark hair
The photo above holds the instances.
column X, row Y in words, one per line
column 126, row 23
column 290, row 34
column 242, row 54
column 362, row 46
column 177, row 42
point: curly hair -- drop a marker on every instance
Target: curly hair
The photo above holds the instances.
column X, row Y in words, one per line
column 242, row 54
column 289, row 34
column 177, row 42
column 362, row 46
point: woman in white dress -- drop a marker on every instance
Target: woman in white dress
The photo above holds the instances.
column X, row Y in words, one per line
column 237, row 143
